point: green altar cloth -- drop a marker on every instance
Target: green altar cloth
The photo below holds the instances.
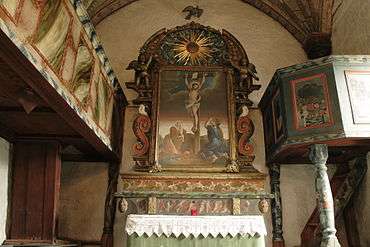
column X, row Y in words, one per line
column 238, row 241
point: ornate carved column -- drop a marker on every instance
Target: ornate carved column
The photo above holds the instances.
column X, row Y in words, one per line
column 318, row 156
column 277, row 218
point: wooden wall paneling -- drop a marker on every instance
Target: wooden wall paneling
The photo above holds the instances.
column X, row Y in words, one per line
column 18, row 200
column 35, row 191
column 52, row 178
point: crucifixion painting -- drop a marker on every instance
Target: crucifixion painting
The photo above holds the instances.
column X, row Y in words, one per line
column 192, row 118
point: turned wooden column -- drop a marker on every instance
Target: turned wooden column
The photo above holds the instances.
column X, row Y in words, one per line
column 35, row 191
column 318, row 156
column 276, row 210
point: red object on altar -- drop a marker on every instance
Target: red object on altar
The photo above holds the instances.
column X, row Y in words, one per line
column 193, row 209
column 193, row 212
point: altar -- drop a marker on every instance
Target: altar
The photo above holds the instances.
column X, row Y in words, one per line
column 191, row 231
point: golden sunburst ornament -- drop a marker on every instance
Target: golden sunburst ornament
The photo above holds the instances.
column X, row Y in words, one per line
column 193, row 49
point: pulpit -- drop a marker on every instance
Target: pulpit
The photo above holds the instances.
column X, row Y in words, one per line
column 314, row 112
column 191, row 231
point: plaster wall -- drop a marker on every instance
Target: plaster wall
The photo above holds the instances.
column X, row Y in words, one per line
column 4, row 175
column 82, row 198
column 351, row 28
column 268, row 45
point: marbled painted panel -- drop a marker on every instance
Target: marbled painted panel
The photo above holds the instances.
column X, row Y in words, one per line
column 10, row 6
column 40, row 64
column 51, row 36
column 29, row 14
column 101, row 106
column 100, row 101
column 75, row 33
column 82, row 75
column 68, row 63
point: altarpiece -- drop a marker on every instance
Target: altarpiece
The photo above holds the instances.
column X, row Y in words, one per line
column 193, row 84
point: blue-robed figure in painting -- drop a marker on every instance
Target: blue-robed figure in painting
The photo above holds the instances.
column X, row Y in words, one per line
column 217, row 146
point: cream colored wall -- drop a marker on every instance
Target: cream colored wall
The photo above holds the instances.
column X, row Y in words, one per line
column 268, row 45
column 351, row 28
column 4, row 174
column 82, row 198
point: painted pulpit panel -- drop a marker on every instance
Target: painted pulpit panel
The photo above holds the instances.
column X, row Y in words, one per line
column 358, row 83
column 193, row 121
column 311, row 102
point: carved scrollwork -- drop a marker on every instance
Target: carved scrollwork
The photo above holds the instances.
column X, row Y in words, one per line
column 245, row 128
column 141, row 127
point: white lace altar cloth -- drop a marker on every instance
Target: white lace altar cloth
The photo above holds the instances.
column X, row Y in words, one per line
column 246, row 225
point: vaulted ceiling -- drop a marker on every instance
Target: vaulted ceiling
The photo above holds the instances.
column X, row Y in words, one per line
column 302, row 18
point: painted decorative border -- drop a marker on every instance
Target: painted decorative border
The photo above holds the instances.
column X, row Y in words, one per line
column 188, row 184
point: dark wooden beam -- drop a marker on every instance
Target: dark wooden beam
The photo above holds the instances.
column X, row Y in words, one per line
column 7, row 133
column 81, row 158
column 7, row 109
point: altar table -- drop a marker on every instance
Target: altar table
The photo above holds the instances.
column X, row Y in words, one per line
column 195, row 231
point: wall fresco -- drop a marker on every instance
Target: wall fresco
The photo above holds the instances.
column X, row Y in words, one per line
column 67, row 53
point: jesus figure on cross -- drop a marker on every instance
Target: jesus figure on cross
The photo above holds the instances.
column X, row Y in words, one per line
column 193, row 102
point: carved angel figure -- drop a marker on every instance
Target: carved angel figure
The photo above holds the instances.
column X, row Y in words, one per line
column 141, row 70
column 247, row 73
column 193, row 11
